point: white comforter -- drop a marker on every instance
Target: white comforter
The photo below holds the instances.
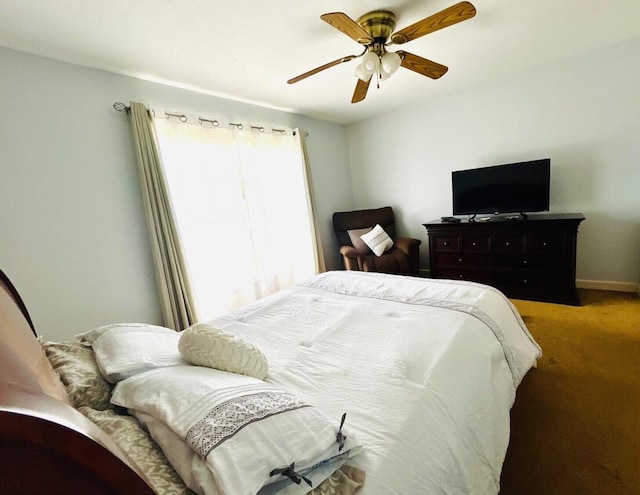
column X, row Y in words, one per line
column 425, row 369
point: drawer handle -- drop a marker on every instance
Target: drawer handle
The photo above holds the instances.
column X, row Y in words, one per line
column 525, row 281
column 544, row 243
column 506, row 243
column 460, row 260
column 525, row 262
column 473, row 244
column 460, row 276
column 446, row 243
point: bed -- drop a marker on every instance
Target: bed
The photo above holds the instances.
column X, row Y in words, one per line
column 421, row 374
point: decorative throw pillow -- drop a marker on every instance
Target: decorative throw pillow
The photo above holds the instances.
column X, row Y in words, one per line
column 377, row 240
column 205, row 345
column 357, row 241
column 76, row 366
column 126, row 349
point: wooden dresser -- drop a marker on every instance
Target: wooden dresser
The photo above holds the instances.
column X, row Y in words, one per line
column 534, row 258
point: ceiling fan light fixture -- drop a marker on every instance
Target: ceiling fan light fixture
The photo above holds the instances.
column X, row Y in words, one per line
column 362, row 73
column 390, row 62
column 383, row 75
column 370, row 62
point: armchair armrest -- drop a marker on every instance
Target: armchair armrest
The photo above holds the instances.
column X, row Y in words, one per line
column 407, row 244
column 349, row 252
column 410, row 247
column 352, row 257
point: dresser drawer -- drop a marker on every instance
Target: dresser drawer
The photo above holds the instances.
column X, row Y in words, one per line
column 530, row 279
column 480, row 244
column 548, row 243
column 463, row 259
column 481, row 275
column 447, row 243
column 507, row 243
column 531, row 261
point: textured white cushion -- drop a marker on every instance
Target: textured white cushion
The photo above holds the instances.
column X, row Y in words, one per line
column 205, row 345
column 377, row 240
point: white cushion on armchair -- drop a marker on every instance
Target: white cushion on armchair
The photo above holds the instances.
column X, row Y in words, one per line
column 377, row 240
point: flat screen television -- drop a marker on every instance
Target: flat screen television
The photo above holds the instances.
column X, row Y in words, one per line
column 511, row 188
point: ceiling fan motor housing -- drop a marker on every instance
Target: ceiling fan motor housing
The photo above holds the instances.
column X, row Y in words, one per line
column 379, row 24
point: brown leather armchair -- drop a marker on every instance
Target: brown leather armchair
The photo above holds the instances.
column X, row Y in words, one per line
column 402, row 258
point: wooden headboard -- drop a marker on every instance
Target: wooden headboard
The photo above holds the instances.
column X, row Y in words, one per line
column 46, row 446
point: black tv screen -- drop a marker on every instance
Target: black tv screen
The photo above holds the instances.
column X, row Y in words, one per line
column 512, row 188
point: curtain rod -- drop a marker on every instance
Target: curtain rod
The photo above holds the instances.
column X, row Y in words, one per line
column 121, row 107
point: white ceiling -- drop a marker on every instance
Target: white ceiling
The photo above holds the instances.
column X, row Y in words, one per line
column 248, row 49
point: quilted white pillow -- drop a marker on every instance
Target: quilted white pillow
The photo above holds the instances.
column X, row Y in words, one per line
column 205, row 345
column 377, row 240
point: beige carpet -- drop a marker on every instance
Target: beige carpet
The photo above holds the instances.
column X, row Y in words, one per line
column 576, row 420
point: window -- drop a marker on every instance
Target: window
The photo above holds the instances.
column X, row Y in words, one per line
column 241, row 204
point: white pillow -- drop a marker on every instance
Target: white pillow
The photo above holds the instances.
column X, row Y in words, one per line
column 94, row 333
column 205, row 345
column 125, row 349
column 377, row 240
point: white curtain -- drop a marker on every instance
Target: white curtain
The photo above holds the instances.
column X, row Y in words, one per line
column 311, row 205
column 172, row 275
column 243, row 207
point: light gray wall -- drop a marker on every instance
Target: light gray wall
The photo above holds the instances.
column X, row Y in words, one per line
column 583, row 113
column 73, row 235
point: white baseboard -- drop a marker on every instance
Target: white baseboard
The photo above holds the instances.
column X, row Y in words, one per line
column 606, row 285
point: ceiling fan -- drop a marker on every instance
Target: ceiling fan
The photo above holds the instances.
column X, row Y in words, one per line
column 374, row 31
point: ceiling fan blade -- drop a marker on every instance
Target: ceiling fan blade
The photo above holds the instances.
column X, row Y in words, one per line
column 342, row 22
column 445, row 18
column 421, row 65
column 361, row 90
column 321, row 68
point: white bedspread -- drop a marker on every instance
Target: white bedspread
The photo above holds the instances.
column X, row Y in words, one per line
column 425, row 369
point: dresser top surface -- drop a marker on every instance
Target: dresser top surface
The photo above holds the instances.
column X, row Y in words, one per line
column 494, row 220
